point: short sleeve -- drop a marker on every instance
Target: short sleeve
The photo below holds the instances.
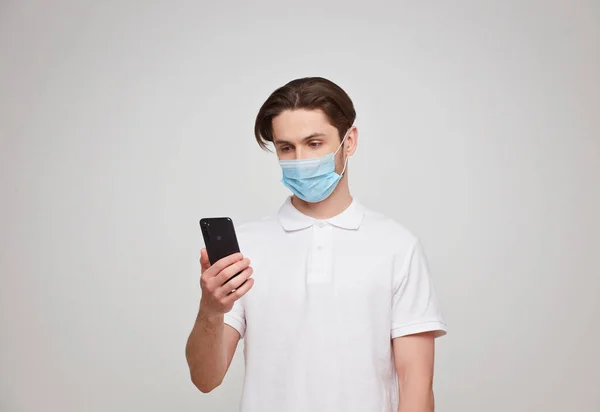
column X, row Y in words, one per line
column 236, row 317
column 415, row 308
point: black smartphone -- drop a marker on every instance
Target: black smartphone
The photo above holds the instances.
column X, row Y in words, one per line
column 219, row 238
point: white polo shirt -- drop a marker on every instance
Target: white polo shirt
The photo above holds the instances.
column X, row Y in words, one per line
column 328, row 298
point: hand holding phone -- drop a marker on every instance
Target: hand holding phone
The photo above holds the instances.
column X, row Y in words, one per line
column 225, row 273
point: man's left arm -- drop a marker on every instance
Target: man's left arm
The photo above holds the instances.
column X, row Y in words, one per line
column 414, row 359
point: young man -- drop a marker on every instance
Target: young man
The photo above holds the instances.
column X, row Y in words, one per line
column 340, row 314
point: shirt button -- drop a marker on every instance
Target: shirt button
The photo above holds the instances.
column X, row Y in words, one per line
column 322, row 224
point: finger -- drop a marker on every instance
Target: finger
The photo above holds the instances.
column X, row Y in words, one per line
column 234, row 283
column 230, row 271
column 241, row 291
column 221, row 264
column 204, row 262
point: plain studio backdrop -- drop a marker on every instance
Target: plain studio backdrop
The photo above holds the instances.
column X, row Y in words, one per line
column 124, row 122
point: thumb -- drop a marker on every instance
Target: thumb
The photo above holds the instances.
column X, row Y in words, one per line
column 204, row 263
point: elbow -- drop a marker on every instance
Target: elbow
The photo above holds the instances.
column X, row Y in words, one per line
column 205, row 389
column 203, row 385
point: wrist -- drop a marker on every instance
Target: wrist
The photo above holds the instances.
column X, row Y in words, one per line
column 210, row 316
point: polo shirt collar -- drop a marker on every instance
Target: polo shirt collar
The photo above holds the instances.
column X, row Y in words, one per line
column 292, row 219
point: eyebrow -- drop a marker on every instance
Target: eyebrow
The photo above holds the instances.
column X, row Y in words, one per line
column 311, row 136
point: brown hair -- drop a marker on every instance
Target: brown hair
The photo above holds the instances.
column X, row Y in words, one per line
column 310, row 93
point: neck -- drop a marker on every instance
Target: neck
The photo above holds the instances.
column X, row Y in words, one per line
column 336, row 203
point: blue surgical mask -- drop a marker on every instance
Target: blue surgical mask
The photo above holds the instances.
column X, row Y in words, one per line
column 312, row 180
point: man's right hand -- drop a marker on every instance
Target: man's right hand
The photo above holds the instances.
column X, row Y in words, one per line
column 219, row 294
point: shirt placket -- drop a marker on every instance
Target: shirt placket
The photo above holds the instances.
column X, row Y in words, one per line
column 320, row 262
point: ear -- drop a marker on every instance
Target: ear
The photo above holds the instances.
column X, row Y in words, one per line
column 351, row 142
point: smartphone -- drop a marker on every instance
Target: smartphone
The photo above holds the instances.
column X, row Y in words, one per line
column 219, row 238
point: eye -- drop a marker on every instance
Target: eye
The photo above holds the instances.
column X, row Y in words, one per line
column 284, row 149
column 314, row 144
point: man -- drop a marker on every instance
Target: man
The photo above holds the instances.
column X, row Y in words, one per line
column 340, row 314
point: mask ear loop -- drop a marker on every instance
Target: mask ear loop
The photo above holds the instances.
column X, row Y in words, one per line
column 338, row 149
column 343, row 140
column 345, row 164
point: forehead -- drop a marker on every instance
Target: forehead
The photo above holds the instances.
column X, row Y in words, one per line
column 296, row 124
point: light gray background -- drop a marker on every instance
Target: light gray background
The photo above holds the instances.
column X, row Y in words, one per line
column 124, row 122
